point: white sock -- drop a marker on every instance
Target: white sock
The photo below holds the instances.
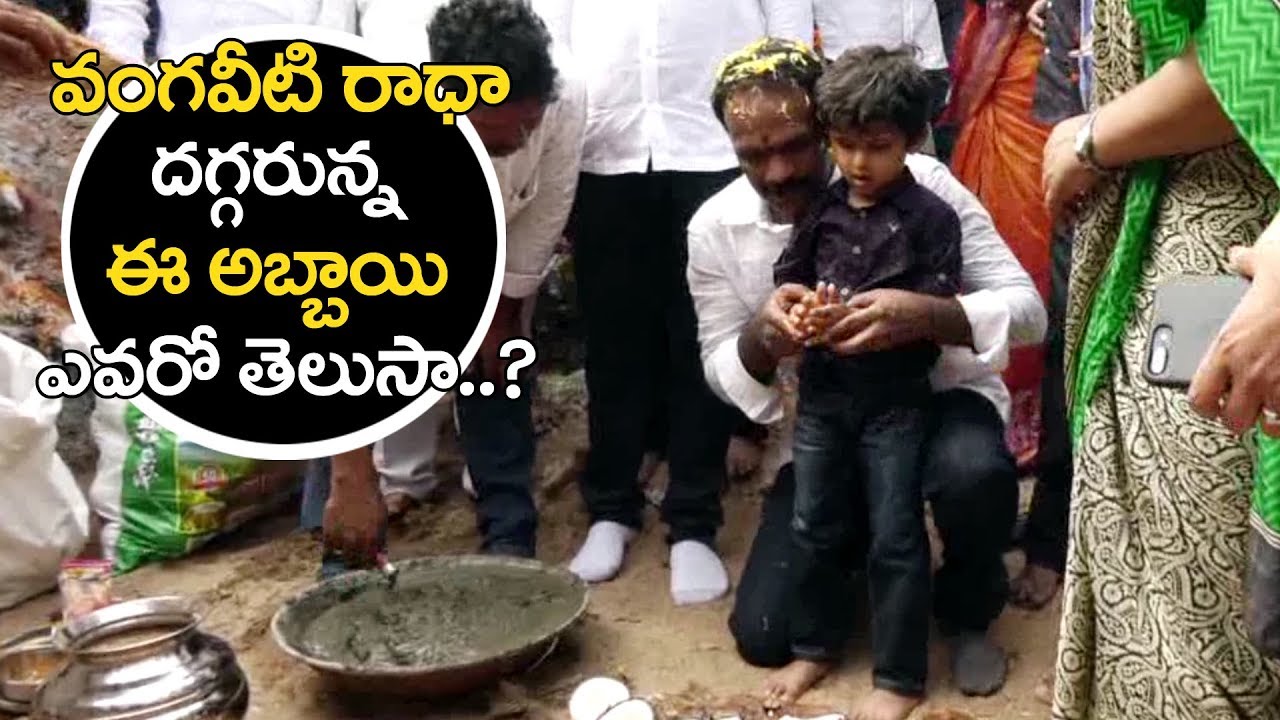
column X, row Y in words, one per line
column 697, row 574
column 600, row 557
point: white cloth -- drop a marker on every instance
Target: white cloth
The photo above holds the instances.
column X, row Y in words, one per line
column 649, row 68
column 120, row 26
column 538, row 181
column 44, row 517
column 732, row 247
column 847, row 24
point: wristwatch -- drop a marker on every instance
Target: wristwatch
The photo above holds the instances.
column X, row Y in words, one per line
column 1084, row 145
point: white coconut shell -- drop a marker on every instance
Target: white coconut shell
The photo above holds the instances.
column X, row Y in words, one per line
column 593, row 698
column 633, row 709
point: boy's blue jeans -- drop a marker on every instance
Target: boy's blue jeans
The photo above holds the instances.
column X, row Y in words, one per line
column 857, row 461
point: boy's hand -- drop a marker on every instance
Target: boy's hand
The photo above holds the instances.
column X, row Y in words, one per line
column 823, row 307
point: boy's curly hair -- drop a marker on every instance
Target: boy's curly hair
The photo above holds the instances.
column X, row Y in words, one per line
column 876, row 84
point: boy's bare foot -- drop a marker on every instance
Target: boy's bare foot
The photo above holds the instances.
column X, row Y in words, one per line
column 885, row 705
column 789, row 684
column 1035, row 587
column 743, row 457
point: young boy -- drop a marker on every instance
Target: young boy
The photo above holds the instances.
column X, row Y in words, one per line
column 861, row 418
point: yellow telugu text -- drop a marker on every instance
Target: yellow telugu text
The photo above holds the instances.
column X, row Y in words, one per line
column 135, row 272
column 83, row 89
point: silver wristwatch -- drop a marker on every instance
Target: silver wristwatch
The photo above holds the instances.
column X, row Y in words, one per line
column 1084, row 145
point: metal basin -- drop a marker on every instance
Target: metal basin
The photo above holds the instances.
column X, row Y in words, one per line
column 466, row 624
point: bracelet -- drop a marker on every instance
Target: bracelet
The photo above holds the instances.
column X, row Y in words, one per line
column 1085, row 150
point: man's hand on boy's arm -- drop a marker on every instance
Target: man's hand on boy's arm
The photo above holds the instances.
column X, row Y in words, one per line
column 771, row 335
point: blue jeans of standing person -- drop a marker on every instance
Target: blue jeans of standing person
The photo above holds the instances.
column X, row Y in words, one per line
column 971, row 482
column 498, row 445
column 855, row 450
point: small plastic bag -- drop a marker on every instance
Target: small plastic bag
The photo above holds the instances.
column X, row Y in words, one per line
column 85, row 585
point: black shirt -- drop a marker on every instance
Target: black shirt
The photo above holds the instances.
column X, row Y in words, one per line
column 910, row 240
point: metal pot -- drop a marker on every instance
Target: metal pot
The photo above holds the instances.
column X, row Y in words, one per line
column 143, row 659
column 17, row 689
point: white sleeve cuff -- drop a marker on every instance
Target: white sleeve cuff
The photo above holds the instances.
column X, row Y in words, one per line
column 989, row 318
column 730, row 380
column 523, row 284
column 520, row 285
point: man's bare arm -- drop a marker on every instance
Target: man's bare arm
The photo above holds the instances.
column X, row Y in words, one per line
column 754, row 351
column 950, row 325
column 353, row 471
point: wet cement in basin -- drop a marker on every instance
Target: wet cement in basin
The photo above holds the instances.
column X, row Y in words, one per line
column 439, row 616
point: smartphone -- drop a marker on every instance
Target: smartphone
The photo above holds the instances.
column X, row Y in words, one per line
column 1190, row 310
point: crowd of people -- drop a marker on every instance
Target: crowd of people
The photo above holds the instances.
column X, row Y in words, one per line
column 925, row 237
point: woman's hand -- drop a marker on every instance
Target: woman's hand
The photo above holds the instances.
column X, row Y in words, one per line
column 1064, row 177
column 1238, row 381
column 1035, row 18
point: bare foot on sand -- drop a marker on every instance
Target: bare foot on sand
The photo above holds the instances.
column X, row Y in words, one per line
column 885, row 705
column 743, row 457
column 1035, row 587
column 787, row 685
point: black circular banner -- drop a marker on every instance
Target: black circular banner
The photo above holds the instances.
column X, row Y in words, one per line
column 438, row 176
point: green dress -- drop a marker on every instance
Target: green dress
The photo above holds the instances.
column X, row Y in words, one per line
column 1153, row 599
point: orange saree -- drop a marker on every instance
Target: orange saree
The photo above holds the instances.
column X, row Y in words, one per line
column 998, row 156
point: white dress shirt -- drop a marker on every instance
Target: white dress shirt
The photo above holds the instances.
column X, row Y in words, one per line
column 538, row 181
column 732, row 248
column 649, row 68
column 847, row 24
column 120, row 26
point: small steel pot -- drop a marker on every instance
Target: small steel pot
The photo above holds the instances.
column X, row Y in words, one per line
column 16, row 655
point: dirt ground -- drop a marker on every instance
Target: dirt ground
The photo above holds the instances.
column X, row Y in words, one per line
column 632, row 630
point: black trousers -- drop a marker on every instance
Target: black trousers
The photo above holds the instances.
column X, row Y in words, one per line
column 858, row 464
column 969, row 478
column 630, row 254
column 1044, row 539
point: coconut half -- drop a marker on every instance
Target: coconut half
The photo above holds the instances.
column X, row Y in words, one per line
column 632, row 709
column 595, row 697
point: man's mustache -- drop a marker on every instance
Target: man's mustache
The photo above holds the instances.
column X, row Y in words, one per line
column 789, row 187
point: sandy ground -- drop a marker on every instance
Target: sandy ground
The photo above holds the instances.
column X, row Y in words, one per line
column 632, row 629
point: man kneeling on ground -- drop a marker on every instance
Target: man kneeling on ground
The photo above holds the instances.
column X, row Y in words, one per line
column 764, row 97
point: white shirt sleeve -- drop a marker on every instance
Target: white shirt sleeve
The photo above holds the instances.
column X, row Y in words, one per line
column 340, row 15
column 926, row 34
column 722, row 316
column 120, row 27
column 789, row 19
column 1001, row 302
column 558, row 15
column 533, row 234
